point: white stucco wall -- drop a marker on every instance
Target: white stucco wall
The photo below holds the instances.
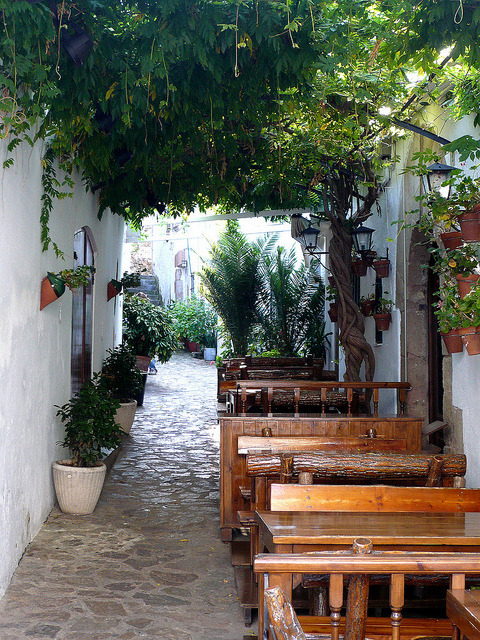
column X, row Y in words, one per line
column 35, row 345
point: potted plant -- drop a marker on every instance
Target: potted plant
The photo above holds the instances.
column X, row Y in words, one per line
column 195, row 322
column 449, row 318
column 359, row 265
column 209, row 342
column 128, row 281
column 147, row 330
column 460, row 265
column 331, row 297
column 53, row 284
column 123, row 380
column 383, row 314
column 469, row 310
column 367, row 304
column 90, row 428
column 382, row 267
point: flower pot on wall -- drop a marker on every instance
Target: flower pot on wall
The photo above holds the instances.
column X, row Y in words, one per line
column 360, row 268
column 451, row 239
column 367, row 307
column 471, row 340
column 382, row 321
column 78, row 488
column 52, row 288
column 465, row 283
column 452, row 341
column 382, row 267
column 333, row 311
column 114, row 287
column 470, row 225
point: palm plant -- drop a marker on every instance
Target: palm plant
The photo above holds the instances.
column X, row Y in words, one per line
column 231, row 284
column 290, row 303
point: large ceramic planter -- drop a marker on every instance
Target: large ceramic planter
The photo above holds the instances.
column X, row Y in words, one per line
column 452, row 341
column 471, row 340
column 125, row 415
column 209, row 354
column 470, row 225
column 451, row 239
column 382, row 321
column 382, row 267
column 465, row 283
column 78, row 488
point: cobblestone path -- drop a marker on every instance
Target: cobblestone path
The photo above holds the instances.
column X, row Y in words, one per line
column 148, row 563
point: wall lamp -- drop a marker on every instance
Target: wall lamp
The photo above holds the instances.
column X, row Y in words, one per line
column 362, row 241
column 437, row 174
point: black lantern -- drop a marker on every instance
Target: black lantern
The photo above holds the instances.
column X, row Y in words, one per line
column 437, row 174
column 362, row 240
column 308, row 238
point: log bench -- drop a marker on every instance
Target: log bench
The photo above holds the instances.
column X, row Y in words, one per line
column 233, row 473
column 346, row 396
column 359, row 563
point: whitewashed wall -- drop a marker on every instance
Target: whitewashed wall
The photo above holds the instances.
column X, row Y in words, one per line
column 35, row 345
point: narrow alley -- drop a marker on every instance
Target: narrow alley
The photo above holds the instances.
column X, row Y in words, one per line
column 148, row 563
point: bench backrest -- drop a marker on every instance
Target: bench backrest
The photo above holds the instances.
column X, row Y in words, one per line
column 346, row 444
column 372, row 498
column 366, row 466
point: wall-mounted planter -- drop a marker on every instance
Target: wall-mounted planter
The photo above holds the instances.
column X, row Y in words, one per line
column 114, row 287
column 367, row 307
column 465, row 283
column 333, row 311
column 382, row 267
column 382, row 321
column 471, row 340
column 451, row 240
column 52, row 288
column 470, row 225
column 452, row 341
column 359, row 268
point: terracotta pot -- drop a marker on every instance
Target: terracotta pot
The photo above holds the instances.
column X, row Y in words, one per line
column 451, row 239
column 382, row 267
column 465, row 283
column 333, row 311
column 471, row 339
column 367, row 307
column 360, row 268
column 193, row 347
column 382, row 321
column 52, row 288
column 113, row 289
column 452, row 341
column 470, row 225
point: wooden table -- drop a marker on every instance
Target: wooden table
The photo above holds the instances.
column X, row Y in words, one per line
column 299, row 532
column 463, row 609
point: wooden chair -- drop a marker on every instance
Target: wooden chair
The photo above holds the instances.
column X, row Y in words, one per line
column 360, row 563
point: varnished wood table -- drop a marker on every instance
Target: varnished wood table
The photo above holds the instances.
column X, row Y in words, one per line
column 463, row 609
column 300, row 532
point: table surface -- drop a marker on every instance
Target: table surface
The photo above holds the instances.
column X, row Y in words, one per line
column 327, row 529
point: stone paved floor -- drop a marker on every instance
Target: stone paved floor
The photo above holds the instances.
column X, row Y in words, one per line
column 148, row 563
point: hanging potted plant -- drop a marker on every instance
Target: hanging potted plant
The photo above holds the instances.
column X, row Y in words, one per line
column 469, row 309
column 114, row 287
column 128, row 281
column 123, row 380
column 449, row 319
column 383, row 314
column 458, row 265
column 359, row 266
column 367, row 304
column 331, row 297
column 53, row 284
column 382, row 267
column 90, row 428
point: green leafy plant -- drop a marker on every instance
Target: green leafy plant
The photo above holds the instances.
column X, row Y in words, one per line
column 120, row 374
column 461, row 261
column 130, row 280
column 89, row 419
column 78, row 277
column 194, row 320
column 384, row 305
column 147, row 329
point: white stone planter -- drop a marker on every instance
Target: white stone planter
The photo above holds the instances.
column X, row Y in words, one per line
column 78, row 488
column 125, row 415
column 209, row 353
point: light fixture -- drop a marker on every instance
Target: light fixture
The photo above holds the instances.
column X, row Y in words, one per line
column 308, row 239
column 362, row 240
column 437, row 174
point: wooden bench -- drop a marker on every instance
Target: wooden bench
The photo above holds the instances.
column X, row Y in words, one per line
column 463, row 610
column 360, row 563
column 372, row 498
column 313, row 393
column 233, row 476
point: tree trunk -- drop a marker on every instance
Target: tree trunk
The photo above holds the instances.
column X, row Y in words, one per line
column 350, row 319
